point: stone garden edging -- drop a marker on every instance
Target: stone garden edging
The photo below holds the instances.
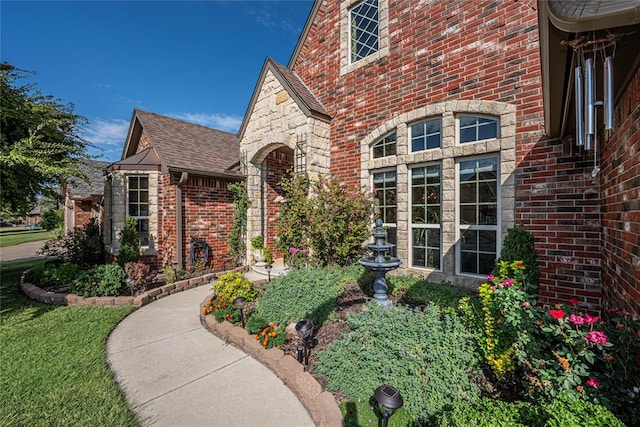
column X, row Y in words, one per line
column 320, row 405
column 36, row 293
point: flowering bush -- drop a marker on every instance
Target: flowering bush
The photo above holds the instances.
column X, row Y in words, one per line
column 222, row 308
column 506, row 318
column 330, row 218
column 271, row 336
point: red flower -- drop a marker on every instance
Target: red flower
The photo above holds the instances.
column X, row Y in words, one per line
column 556, row 314
column 573, row 301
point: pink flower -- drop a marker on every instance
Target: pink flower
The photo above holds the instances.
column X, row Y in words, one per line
column 507, row 283
column 576, row 320
column 556, row 314
column 279, row 199
column 525, row 304
column 593, row 383
column 490, row 277
column 305, row 251
column 293, row 250
column 597, row 337
column 590, row 320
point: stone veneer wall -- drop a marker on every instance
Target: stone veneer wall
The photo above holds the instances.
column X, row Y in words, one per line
column 620, row 187
column 275, row 122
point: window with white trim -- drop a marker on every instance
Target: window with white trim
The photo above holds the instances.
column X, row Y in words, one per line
column 138, row 204
column 426, row 135
column 364, row 30
column 478, row 213
column 426, row 216
column 385, row 147
column 385, row 192
column 476, row 128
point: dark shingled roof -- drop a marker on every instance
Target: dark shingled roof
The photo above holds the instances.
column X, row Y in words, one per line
column 301, row 89
column 94, row 171
column 183, row 146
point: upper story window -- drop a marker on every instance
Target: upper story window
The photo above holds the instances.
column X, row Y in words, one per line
column 364, row 29
column 385, row 147
column 138, row 205
column 426, row 135
column 477, row 128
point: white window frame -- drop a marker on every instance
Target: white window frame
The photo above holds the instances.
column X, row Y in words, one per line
column 460, row 228
column 395, row 144
column 411, row 224
column 410, row 134
column 483, row 116
column 378, row 171
column 140, row 217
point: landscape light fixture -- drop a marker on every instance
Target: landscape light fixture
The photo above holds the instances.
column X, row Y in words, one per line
column 268, row 267
column 239, row 302
column 129, row 282
column 304, row 328
column 389, row 401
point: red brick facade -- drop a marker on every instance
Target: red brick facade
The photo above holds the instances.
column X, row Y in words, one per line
column 620, row 189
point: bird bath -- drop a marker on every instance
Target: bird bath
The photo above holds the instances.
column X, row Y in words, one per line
column 380, row 261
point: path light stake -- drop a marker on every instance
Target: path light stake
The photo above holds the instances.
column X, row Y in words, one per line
column 389, row 400
column 304, row 328
column 239, row 302
column 129, row 282
column 268, row 267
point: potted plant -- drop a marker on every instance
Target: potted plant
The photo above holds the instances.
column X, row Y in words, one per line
column 257, row 243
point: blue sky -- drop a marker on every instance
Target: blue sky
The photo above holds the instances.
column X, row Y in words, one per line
column 198, row 61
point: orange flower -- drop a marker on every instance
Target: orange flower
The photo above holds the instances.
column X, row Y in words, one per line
column 273, row 334
column 204, row 310
column 273, row 325
column 257, row 337
column 266, row 341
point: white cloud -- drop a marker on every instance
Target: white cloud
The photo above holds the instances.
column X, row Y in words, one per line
column 223, row 122
column 106, row 132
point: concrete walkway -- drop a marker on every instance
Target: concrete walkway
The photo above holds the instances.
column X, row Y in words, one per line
column 22, row 252
column 175, row 373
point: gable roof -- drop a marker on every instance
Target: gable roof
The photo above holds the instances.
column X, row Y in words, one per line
column 79, row 189
column 181, row 146
column 294, row 85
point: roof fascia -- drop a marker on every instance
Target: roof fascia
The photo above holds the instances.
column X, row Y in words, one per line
column 135, row 125
column 203, row 173
column 269, row 66
column 305, row 32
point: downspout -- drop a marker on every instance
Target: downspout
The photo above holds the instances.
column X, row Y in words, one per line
column 183, row 180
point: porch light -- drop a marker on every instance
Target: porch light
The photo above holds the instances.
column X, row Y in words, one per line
column 240, row 302
column 389, row 401
column 304, row 328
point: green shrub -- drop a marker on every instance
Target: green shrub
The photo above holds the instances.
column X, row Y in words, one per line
column 332, row 223
column 83, row 246
column 427, row 355
column 52, row 219
column 172, row 275
column 519, row 245
column 236, row 240
column 257, row 242
column 103, row 280
column 490, row 413
column 232, row 285
column 420, row 291
column 129, row 243
column 567, row 411
column 305, row 293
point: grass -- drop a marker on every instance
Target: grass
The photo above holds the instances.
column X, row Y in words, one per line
column 15, row 238
column 54, row 370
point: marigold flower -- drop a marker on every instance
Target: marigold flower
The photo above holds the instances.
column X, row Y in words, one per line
column 593, row 383
column 557, row 314
column 580, row 389
column 576, row 320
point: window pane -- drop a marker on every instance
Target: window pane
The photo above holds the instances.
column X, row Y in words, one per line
column 419, row 237
column 133, row 210
column 433, row 258
column 419, row 257
column 468, row 193
column 426, row 135
column 467, row 135
column 390, row 215
column 364, row 29
column 488, row 214
column 433, row 141
column 487, row 240
column 469, row 241
column 133, row 196
column 378, row 151
column 467, row 214
column 487, row 262
column 433, row 194
column 488, row 131
column 417, row 195
column 477, row 128
column 433, row 214
column 469, row 262
column 466, row 121
column 433, row 237
column 488, row 169
column 418, row 215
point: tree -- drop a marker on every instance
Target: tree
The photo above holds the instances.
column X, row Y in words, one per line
column 39, row 142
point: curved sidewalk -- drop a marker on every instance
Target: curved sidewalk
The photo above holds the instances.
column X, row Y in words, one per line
column 175, row 373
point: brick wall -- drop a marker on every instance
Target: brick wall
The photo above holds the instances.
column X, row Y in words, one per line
column 437, row 51
column 278, row 163
column 462, row 50
column 620, row 187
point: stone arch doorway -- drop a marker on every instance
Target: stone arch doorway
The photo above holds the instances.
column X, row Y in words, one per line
column 264, row 173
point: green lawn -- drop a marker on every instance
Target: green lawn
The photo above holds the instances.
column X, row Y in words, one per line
column 17, row 237
column 54, row 370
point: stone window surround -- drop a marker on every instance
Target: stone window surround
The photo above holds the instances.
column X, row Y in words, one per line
column 346, row 66
column 118, row 192
column 447, row 154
